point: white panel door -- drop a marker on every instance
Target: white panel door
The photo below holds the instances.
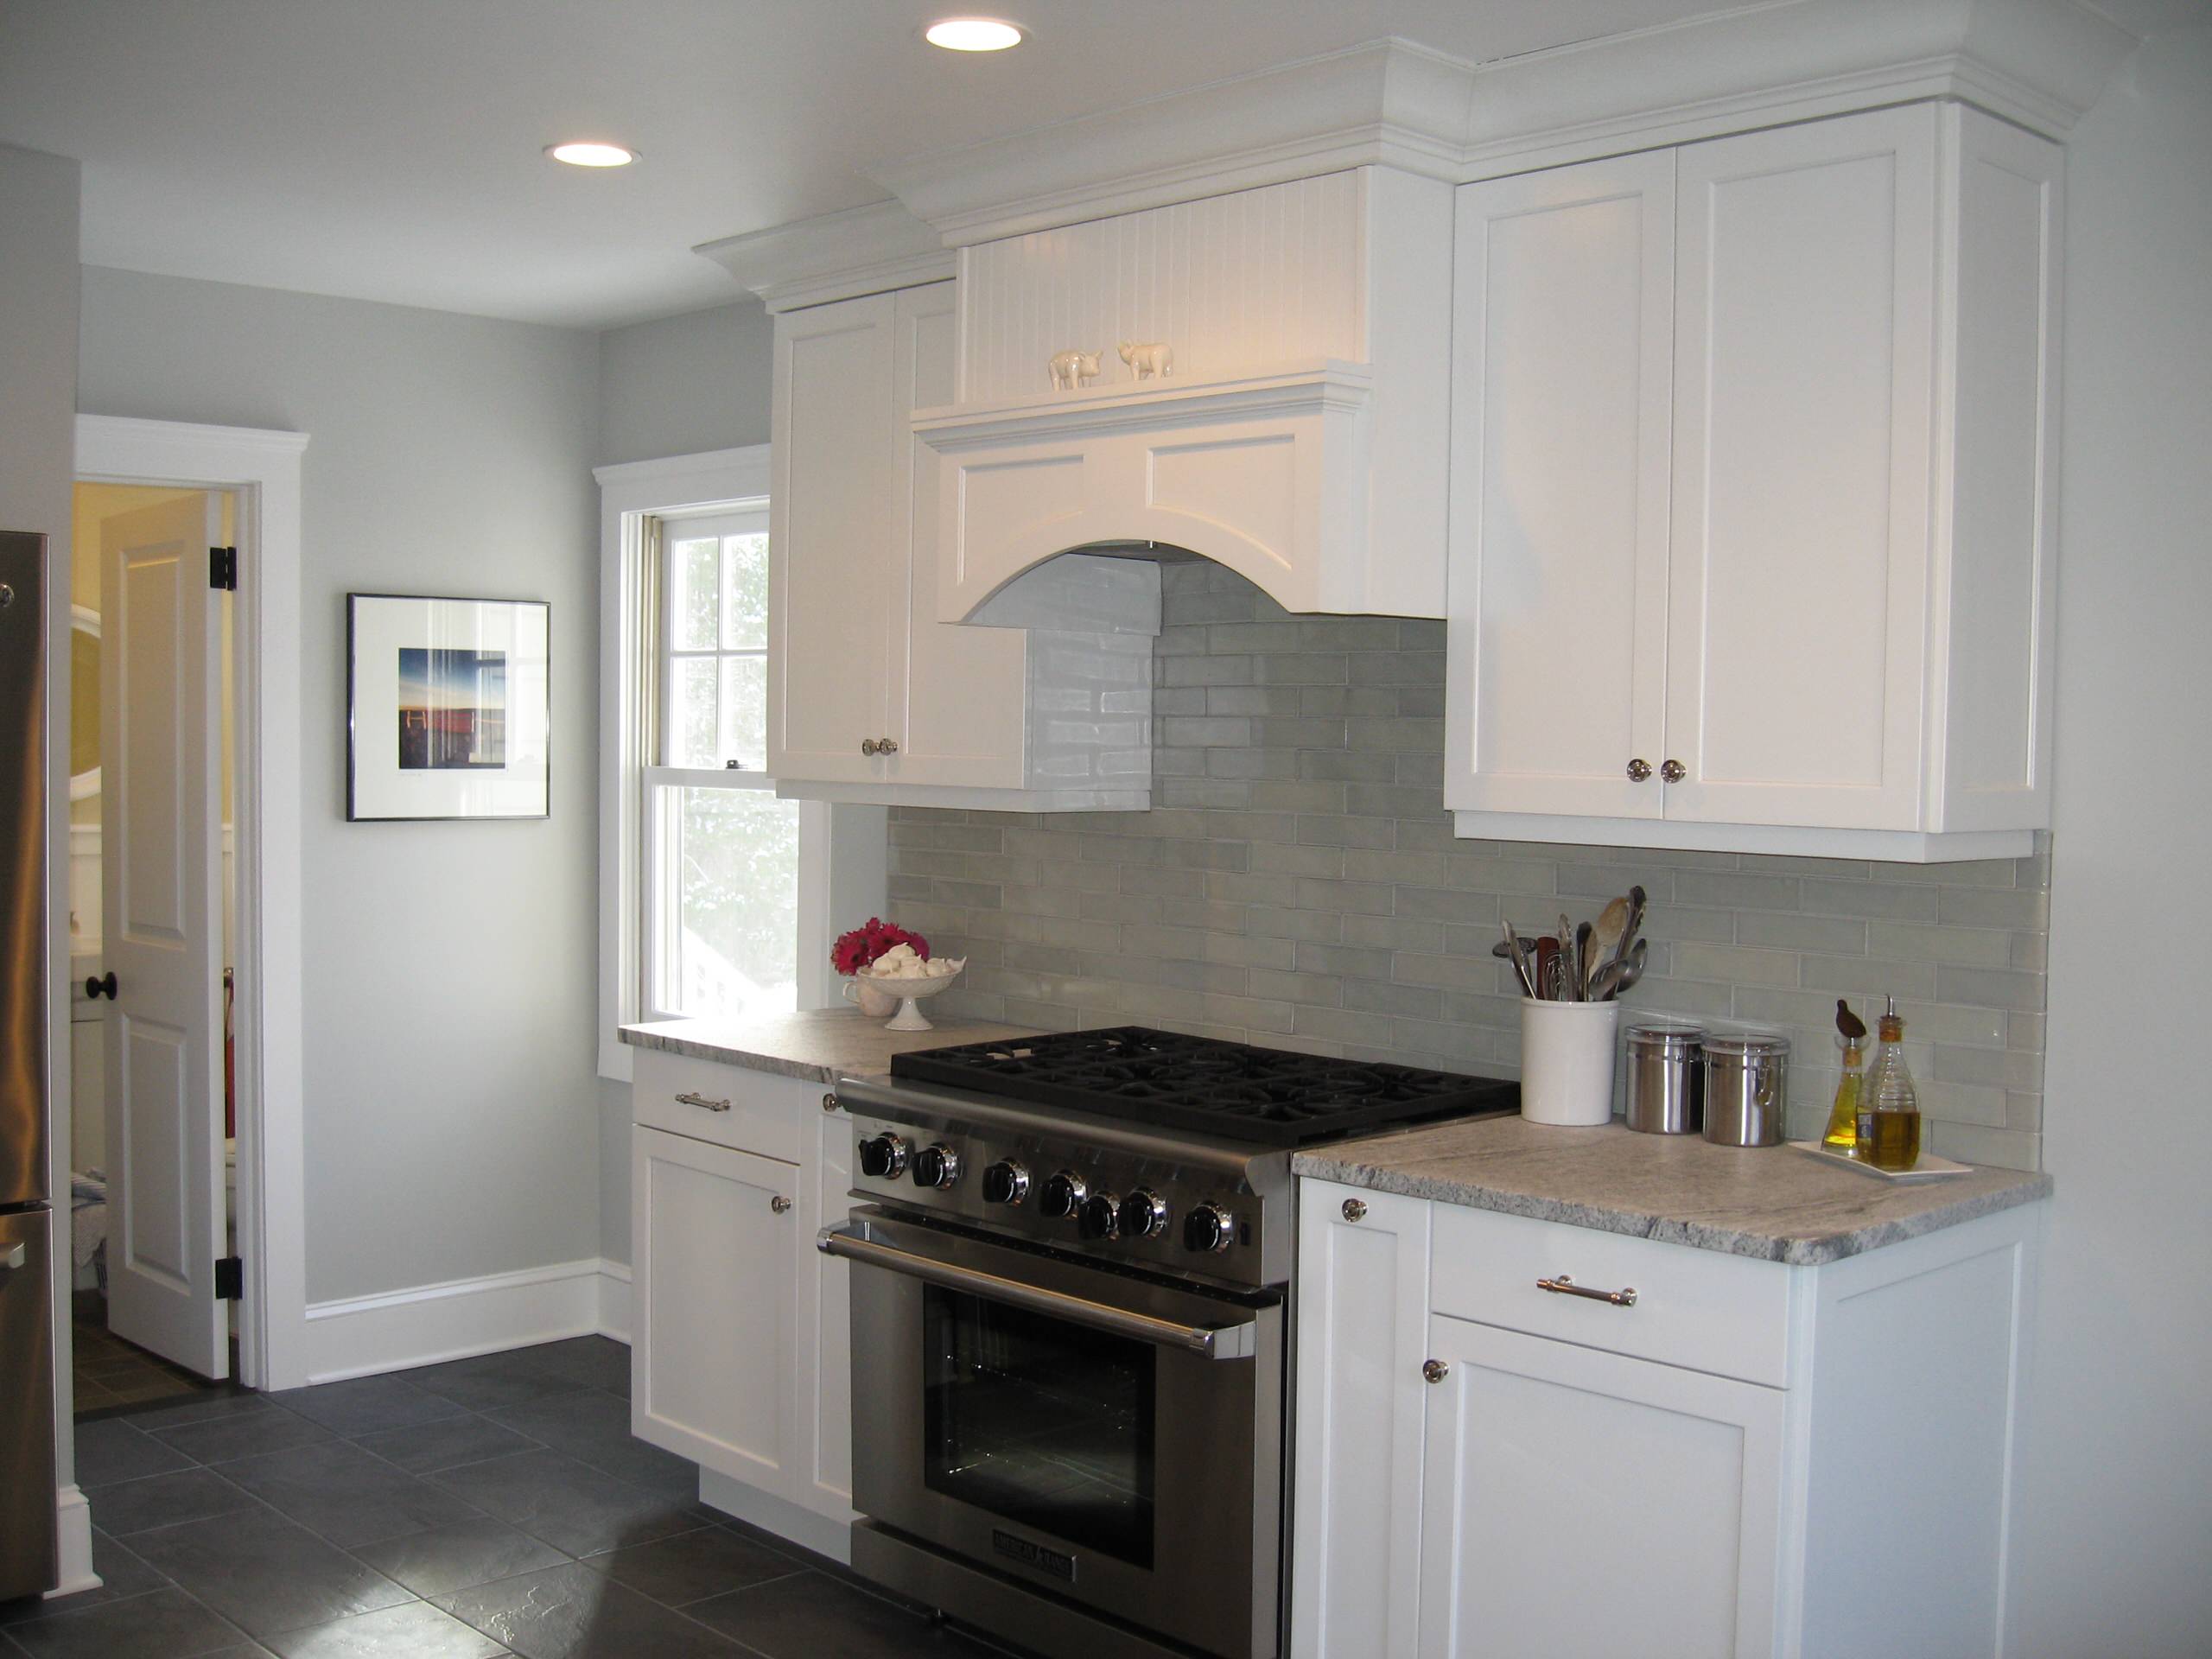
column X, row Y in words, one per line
column 161, row 884
column 1362, row 1332
column 1578, row 1504
column 835, row 544
column 1805, row 323
column 959, row 692
column 714, row 1236
column 1563, row 341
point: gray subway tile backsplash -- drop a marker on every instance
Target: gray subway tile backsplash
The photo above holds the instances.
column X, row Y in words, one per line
column 1298, row 883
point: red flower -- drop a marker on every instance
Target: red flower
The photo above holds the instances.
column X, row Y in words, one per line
column 854, row 949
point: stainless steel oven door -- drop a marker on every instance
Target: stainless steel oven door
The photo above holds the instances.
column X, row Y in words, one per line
column 1104, row 1437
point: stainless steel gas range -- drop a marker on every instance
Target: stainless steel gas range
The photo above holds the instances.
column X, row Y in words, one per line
column 1071, row 1298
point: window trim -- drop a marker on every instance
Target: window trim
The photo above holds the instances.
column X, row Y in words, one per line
column 843, row 849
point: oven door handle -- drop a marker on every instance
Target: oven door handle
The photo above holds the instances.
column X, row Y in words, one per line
column 1213, row 1342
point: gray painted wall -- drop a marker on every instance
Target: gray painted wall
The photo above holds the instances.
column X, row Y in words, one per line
column 38, row 440
column 2116, row 1469
column 451, row 1120
column 684, row 384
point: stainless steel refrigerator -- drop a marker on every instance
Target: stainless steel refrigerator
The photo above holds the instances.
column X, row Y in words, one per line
column 26, row 1559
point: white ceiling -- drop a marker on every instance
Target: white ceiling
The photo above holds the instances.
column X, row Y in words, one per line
column 390, row 149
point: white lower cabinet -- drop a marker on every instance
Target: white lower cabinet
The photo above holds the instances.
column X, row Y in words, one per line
column 1746, row 1459
column 739, row 1340
column 1578, row 1502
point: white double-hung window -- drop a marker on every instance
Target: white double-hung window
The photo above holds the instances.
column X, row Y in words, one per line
column 720, row 874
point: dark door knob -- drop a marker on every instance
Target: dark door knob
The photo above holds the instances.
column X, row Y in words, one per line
column 101, row 985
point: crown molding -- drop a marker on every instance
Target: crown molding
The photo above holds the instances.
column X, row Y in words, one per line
column 1395, row 103
column 837, row 256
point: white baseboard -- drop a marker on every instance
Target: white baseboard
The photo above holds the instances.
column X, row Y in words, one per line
column 614, row 1300
column 74, row 1543
column 394, row 1330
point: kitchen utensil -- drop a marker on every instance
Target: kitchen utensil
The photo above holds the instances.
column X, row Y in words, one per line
column 1612, row 931
column 1567, row 1062
column 1616, row 978
column 1586, row 960
column 1514, row 949
column 1746, row 1088
column 1546, row 968
column 1666, row 1078
column 1570, row 975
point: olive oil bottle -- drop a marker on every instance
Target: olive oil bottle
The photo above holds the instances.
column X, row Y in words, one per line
column 1843, row 1118
column 1889, row 1107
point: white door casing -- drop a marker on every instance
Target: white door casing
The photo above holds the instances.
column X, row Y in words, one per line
column 1562, row 346
column 161, row 896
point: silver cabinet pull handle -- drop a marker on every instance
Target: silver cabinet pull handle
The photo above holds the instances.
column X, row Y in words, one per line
column 1674, row 772
column 1434, row 1370
column 868, row 747
column 1638, row 770
column 702, row 1100
column 1563, row 1285
column 828, row 1103
column 1210, row 1342
column 1355, row 1209
column 886, row 746
column 778, row 1205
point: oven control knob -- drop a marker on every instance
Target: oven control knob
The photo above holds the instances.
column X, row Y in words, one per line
column 937, row 1166
column 1208, row 1227
column 1101, row 1217
column 1144, row 1214
column 1063, row 1196
column 1005, row 1182
column 883, row 1157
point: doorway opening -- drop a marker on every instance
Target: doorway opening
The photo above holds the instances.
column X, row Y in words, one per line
column 152, row 925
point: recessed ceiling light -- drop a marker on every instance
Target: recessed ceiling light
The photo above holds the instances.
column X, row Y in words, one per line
column 591, row 153
column 972, row 34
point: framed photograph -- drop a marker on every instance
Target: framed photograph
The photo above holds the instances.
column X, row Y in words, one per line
column 446, row 708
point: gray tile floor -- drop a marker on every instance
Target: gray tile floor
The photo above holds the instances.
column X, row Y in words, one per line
column 487, row 1507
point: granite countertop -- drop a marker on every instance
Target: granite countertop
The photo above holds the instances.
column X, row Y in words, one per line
column 820, row 1047
column 1771, row 1203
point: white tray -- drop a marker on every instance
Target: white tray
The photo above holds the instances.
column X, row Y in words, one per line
column 1929, row 1168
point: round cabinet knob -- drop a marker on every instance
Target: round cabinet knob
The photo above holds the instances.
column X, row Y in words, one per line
column 886, row 746
column 1208, row 1228
column 883, row 1157
column 1638, row 770
column 1144, row 1214
column 1434, row 1370
column 1005, row 1182
column 1063, row 1196
column 870, row 747
column 937, row 1166
column 828, row 1103
column 1101, row 1217
column 1674, row 772
column 1355, row 1209
column 780, row 1204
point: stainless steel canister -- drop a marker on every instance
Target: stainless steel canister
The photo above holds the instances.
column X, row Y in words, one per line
column 1666, row 1080
column 1746, row 1088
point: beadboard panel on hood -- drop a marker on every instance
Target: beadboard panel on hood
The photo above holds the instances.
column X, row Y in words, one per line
column 1234, row 283
column 1298, row 883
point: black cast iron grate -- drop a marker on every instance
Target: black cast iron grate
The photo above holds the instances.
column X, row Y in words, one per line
column 1232, row 1090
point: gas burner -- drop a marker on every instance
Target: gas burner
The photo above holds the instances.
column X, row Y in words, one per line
column 1266, row 1096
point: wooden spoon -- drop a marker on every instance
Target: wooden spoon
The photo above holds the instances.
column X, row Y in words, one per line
column 1612, row 928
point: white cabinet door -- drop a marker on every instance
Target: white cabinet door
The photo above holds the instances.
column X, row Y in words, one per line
column 1803, row 379
column 823, row 1338
column 1563, row 341
column 836, row 541
column 715, row 1239
column 1362, row 1331
column 1582, row 1505
column 959, row 692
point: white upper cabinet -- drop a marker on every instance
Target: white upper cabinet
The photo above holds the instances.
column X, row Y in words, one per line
column 1751, row 499
column 871, row 697
column 1298, row 437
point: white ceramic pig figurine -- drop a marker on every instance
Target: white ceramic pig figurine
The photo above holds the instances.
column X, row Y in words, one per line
column 1073, row 369
column 1149, row 358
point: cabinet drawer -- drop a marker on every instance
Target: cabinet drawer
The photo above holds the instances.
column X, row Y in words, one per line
column 758, row 1117
column 1725, row 1314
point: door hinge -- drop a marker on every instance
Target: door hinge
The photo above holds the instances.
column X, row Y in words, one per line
column 229, row 1280
column 223, row 568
